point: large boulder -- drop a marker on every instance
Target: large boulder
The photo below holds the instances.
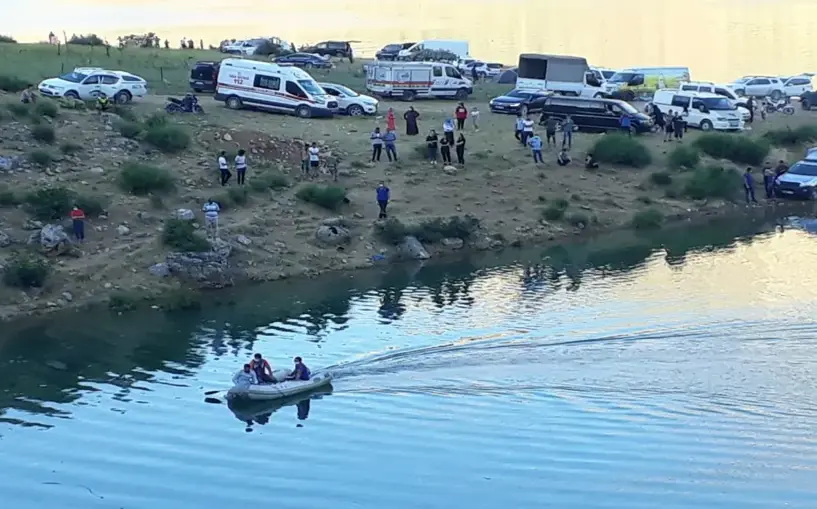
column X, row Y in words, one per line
column 53, row 237
column 185, row 215
column 412, row 249
column 332, row 235
column 5, row 240
column 10, row 163
column 210, row 269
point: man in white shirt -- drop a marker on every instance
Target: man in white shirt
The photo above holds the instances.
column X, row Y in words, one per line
column 314, row 158
column 241, row 167
column 211, row 210
column 527, row 130
column 223, row 168
column 245, row 377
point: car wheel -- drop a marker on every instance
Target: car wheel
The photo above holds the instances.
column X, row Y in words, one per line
column 523, row 110
column 813, row 194
column 629, row 95
column 599, row 95
column 303, row 111
column 355, row 110
column 805, row 104
column 409, row 95
column 122, row 97
column 776, row 95
column 234, row 103
column 71, row 95
column 308, row 65
column 461, row 94
column 706, row 125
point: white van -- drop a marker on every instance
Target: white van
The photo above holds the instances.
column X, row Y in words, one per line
column 272, row 87
column 602, row 74
column 701, row 110
column 411, row 80
column 458, row 48
column 707, row 87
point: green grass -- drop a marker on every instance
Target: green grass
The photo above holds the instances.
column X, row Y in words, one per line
column 647, row 219
column 8, row 83
column 19, row 110
column 44, row 133
column 738, row 149
column 789, row 137
column 69, row 148
column 661, row 178
column 129, row 129
column 712, row 182
column 265, row 181
column 683, row 157
column 430, row 231
column 9, row 198
column 327, row 197
column 24, row 271
column 142, row 179
column 47, row 108
column 169, row 138
column 49, row 203
column 556, row 210
column 621, row 150
column 41, row 158
column 181, row 235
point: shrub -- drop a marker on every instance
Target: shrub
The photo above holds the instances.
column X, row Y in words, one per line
column 7, row 39
column 72, row 104
column 125, row 112
column 86, row 40
column 35, row 120
column 238, row 195
column 683, row 157
column 43, row 133
column 647, row 219
column 141, row 179
column 129, row 129
column 789, row 137
column 156, row 120
column 40, row 157
column 49, row 203
column 47, row 109
column 19, row 109
column 392, row 231
column 8, row 198
column 69, row 148
column 712, row 182
column 26, row 272
column 267, row 181
column 181, row 235
column 578, row 220
column 123, row 302
column 738, row 149
column 620, row 149
column 93, row 206
column 168, row 138
column 12, row 84
column 327, row 197
column 661, row 178
column 556, row 210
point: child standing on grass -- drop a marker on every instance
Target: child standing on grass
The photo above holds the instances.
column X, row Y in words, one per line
column 314, row 159
column 241, row 167
column 223, row 169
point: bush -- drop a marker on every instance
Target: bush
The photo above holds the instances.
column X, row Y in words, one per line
column 86, row 40
column 155, row 120
column 180, row 300
column 789, row 137
column 49, row 203
column 19, row 110
column 40, row 157
column 267, row 181
column 684, row 157
column 620, row 149
column 123, row 302
column 129, row 129
column 238, row 195
column 738, row 149
column 69, row 148
column 93, row 206
column 141, row 179
column 47, row 109
column 168, row 138
column 661, row 178
column 72, row 104
column 35, row 120
column 578, row 220
column 181, row 235
column 8, row 198
column 26, row 272
column 647, row 219
column 124, row 112
column 12, row 84
column 44, row 133
column 392, row 231
column 556, row 210
column 712, row 182
column 7, row 39
column 327, row 197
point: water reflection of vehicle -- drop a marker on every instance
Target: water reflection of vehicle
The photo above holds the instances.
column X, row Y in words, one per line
column 259, row 412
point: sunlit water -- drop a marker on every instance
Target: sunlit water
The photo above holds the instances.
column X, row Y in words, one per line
column 593, row 376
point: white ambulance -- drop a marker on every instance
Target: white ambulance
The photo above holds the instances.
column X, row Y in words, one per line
column 410, row 80
column 272, row 87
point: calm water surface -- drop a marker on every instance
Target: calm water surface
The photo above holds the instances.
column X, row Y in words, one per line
column 676, row 371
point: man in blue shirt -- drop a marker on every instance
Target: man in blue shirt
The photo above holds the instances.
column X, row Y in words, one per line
column 625, row 123
column 301, row 372
column 749, row 186
column 535, row 143
column 382, row 199
column 391, row 150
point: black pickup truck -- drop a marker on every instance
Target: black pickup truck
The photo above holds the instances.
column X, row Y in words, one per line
column 808, row 100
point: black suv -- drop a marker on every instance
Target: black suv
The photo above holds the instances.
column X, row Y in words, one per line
column 390, row 51
column 592, row 114
column 808, row 100
column 330, row 48
column 204, row 76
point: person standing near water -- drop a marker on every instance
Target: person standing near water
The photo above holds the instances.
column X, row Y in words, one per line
column 411, row 117
column 749, row 186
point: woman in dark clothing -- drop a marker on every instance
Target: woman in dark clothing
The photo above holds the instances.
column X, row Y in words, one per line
column 461, row 149
column 431, row 145
column 445, row 150
column 411, row 117
column 659, row 118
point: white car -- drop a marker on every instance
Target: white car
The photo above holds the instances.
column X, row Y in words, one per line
column 759, row 86
column 797, row 85
column 350, row 102
column 88, row 83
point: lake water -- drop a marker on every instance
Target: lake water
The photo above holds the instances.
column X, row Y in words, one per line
column 613, row 374
column 717, row 39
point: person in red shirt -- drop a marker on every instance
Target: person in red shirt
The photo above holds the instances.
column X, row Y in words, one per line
column 461, row 113
column 78, row 222
column 262, row 369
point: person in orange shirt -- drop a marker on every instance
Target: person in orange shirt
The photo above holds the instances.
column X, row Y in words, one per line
column 262, row 369
column 78, row 222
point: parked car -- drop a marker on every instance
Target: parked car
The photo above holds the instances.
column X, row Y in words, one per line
column 707, row 87
column 390, row 51
column 594, row 114
column 350, row 102
column 330, row 49
column 518, row 101
column 88, row 83
column 797, row 85
column 759, row 86
column 484, row 70
column 800, row 181
column 808, row 100
column 701, row 110
column 305, row 60
column 203, row 76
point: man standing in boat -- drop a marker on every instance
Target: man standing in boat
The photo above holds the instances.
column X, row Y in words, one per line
column 262, row 369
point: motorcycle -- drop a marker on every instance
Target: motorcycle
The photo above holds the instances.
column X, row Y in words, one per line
column 189, row 104
column 782, row 105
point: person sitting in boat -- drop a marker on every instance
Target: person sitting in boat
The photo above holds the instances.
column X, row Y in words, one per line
column 301, row 372
column 262, row 369
column 245, row 377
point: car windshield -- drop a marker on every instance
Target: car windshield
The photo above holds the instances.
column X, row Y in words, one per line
column 716, row 103
column 622, row 77
column 518, row 94
column 74, row 77
column 802, row 168
column 608, row 74
column 627, row 107
column 311, row 87
column 494, row 66
column 345, row 91
column 392, row 47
